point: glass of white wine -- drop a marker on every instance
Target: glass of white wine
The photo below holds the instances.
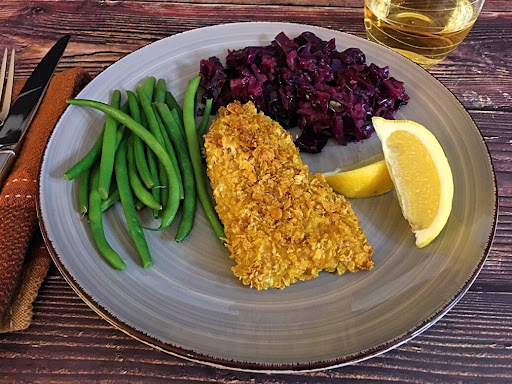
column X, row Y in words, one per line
column 425, row 31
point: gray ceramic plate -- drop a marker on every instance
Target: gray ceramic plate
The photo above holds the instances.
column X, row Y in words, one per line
column 190, row 304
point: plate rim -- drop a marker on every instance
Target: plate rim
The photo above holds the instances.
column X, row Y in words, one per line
column 216, row 362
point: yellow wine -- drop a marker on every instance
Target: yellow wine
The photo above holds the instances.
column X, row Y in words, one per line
column 422, row 30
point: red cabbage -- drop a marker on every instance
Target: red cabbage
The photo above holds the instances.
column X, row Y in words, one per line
column 306, row 82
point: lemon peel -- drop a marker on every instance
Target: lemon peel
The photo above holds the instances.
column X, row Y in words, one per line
column 421, row 175
column 367, row 178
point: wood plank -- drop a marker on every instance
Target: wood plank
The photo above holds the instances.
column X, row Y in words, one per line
column 104, row 33
column 474, row 340
column 480, row 69
column 478, row 72
column 489, row 5
column 282, row 3
column 68, row 341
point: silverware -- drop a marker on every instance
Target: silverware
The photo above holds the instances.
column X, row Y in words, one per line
column 25, row 107
column 8, row 90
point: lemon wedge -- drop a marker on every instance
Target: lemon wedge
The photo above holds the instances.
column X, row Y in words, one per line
column 365, row 179
column 421, row 175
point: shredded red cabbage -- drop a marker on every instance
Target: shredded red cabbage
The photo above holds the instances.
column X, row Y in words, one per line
column 306, row 82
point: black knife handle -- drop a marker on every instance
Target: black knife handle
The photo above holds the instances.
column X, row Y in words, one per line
column 6, row 161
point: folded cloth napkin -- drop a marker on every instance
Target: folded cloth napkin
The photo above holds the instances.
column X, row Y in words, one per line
column 24, row 260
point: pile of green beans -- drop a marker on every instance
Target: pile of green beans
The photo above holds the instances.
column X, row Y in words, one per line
column 147, row 155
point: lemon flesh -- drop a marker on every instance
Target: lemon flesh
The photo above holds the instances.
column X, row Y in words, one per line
column 365, row 179
column 420, row 173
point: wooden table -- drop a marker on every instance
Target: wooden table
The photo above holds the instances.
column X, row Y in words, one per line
column 68, row 342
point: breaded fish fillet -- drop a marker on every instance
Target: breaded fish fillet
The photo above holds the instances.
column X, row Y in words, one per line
column 282, row 223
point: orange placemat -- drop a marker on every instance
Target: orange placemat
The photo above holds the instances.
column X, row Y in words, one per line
column 24, row 260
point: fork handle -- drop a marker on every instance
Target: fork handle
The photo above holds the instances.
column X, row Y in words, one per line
column 7, row 158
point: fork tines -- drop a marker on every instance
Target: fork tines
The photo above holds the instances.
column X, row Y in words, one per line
column 8, row 85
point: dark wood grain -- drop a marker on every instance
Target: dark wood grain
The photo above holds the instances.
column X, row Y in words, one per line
column 69, row 342
column 99, row 39
column 473, row 340
column 496, row 5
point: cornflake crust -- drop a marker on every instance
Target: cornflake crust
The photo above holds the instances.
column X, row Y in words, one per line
column 282, row 223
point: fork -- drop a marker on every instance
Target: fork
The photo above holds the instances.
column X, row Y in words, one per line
column 8, row 86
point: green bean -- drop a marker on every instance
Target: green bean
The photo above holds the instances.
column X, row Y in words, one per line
column 161, row 88
column 170, row 149
column 119, row 135
column 125, row 107
column 94, row 154
column 164, row 183
column 156, row 190
column 130, row 214
column 189, row 186
column 154, row 128
column 83, row 191
column 179, row 121
column 138, row 145
column 173, row 104
column 120, row 131
column 149, row 87
column 174, row 196
column 138, row 204
column 138, row 188
column 108, row 150
column 153, row 169
column 204, row 122
column 143, row 121
column 151, row 120
column 164, row 186
column 206, row 118
column 96, row 223
column 133, row 103
column 195, row 157
column 85, row 162
column 112, row 198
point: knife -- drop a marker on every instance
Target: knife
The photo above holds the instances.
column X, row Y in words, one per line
column 26, row 105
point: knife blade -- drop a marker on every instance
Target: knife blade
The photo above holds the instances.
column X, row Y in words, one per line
column 26, row 105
